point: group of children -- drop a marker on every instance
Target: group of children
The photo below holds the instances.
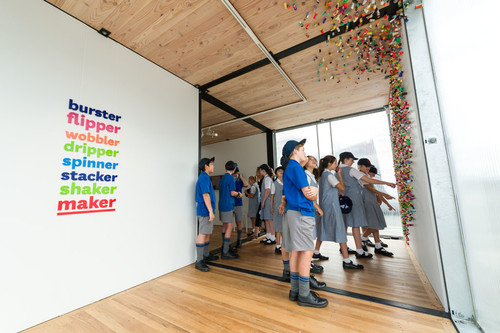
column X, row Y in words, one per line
column 300, row 205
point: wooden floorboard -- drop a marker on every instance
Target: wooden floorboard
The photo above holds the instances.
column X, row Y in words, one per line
column 397, row 279
column 226, row 301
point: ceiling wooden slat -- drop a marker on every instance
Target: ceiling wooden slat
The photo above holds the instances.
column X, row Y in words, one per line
column 197, row 40
column 229, row 132
column 256, row 91
column 212, row 115
column 200, row 41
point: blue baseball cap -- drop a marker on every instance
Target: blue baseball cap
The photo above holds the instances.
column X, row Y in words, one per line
column 290, row 146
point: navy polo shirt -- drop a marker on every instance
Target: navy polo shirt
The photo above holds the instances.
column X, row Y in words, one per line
column 226, row 185
column 239, row 187
column 294, row 179
column 204, row 185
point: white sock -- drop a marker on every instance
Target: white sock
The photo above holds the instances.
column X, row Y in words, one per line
column 378, row 245
column 360, row 251
column 347, row 260
column 363, row 238
column 278, row 246
column 316, row 251
column 268, row 236
column 253, row 230
column 273, row 237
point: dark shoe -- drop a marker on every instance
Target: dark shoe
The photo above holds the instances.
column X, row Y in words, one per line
column 319, row 256
column 269, row 242
column 365, row 255
column 313, row 300
column 316, row 269
column 315, row 284
column 383, row 244
column 349, row 250
column 230, row 255
column 233, row 250
column 286, row 276
column 384, row 252
column 250, row 233
column 264, row 240
column 277, row 250
column 201, row 266
column 211, row 257
column 363, row 246
column 370, row 243
column 293, row 296
column 238, row 243
column 352, row 265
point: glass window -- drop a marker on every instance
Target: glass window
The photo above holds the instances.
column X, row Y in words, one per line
column 365, row 136
column 324, row 139
column 308, row 132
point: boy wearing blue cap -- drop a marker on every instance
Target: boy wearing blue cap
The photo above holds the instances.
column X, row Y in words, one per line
column 227, row 193
column 205, row 205
column 301, row 223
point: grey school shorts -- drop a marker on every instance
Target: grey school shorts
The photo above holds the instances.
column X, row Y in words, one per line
column 226, row 217
column 238, row 213
column 301, row 231
column 205, row 227
column 286, row 243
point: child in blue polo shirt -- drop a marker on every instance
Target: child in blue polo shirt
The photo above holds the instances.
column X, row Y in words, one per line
column 240, row 182
column 227, row 193
column 301, row 222
column 205, row 207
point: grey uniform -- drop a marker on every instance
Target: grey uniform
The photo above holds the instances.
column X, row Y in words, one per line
column 373, row 212
column 312, row 182
column 277, row 217
column 265, row 213
column 253, row 203
column 356, row 218
column 331, row 227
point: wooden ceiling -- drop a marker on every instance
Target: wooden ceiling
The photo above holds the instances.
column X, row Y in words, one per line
column 200, row 41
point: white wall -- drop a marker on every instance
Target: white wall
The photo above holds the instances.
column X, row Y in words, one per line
column 466, row 74
column 248, row 152
column 423, row 235
column 53, row 264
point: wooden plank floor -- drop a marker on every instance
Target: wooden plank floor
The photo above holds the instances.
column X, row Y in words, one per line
column 398, row 279
column 226, row 301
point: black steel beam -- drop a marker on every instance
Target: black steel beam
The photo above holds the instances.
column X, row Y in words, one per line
column 390, row 10
column 229, row 109
column 270, row 148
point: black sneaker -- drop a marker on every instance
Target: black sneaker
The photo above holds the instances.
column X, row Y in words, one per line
column 201, row 266
column 269, row 242
column 238, row 243
column 313, row 300
column 316, row 269
column 293, row 296
column 365, row 255
column 363, row 246
column 384, row 252
column 319, row 256
column 277, row 250
column 230, row 255
column 286, row 276
column 351, row 265
column 211, row 257
column 315, row 284
column 383, row 244
column 264, row 240
column 370, row 243
column 349, row 251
